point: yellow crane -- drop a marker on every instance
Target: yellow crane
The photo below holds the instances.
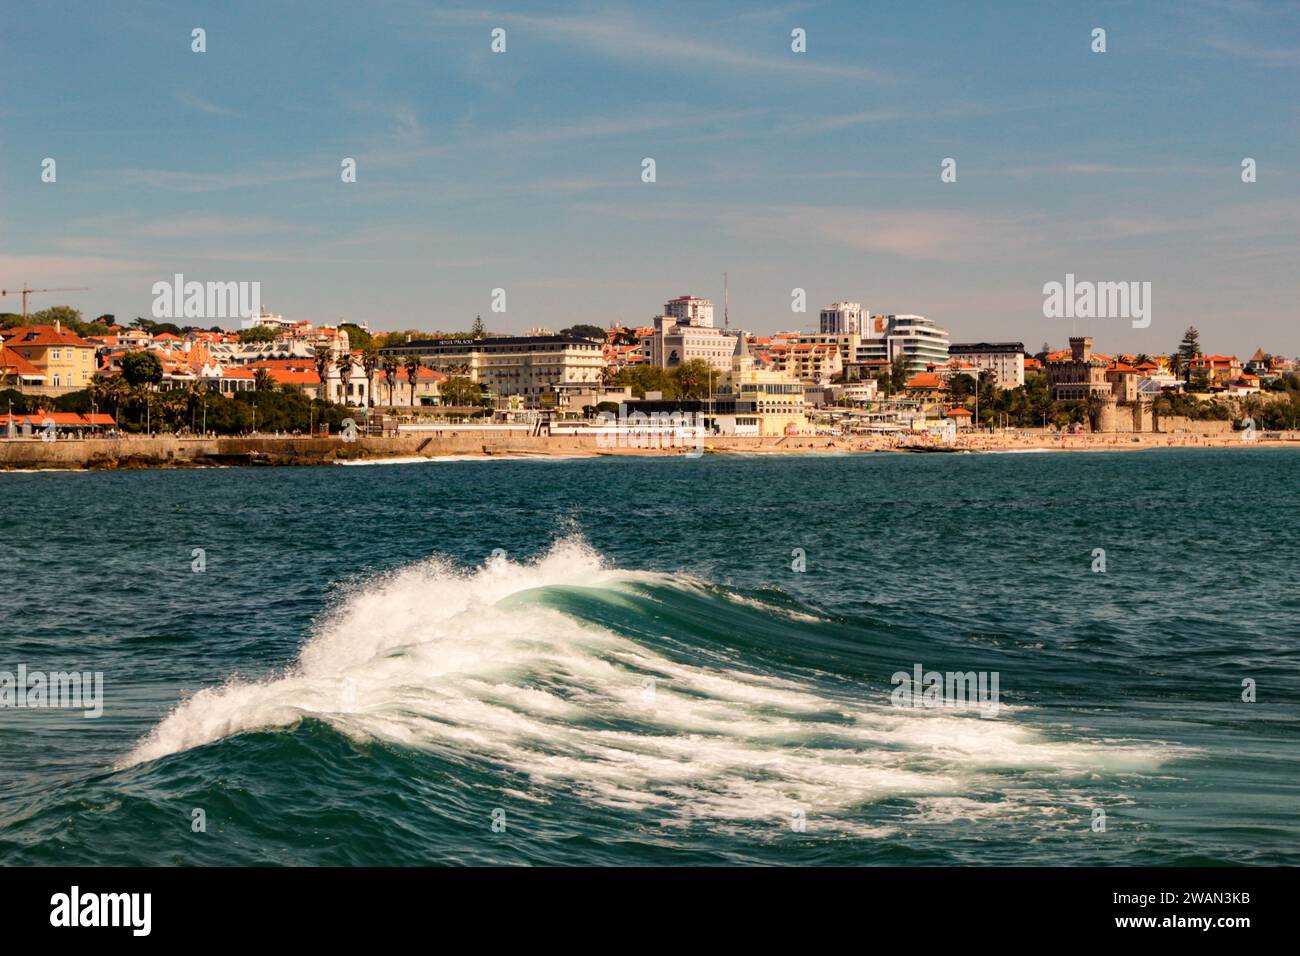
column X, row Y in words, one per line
column 28, row 291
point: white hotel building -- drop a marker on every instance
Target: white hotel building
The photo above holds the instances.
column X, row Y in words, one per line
column 530, row 365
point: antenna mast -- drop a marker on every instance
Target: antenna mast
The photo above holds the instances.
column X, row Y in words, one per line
column 726, row 303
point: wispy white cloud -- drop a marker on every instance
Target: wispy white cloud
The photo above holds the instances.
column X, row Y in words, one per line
column 923, row 234
column 261, row 174
column 206, row 106
column 1262, row 55
column 622, row 36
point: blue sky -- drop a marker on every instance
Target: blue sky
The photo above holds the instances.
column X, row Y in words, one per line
column 522, row 170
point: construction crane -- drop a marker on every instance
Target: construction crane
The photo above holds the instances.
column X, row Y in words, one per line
column 26, row 292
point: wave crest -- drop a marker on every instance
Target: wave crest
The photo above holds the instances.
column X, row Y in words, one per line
column 475, row 666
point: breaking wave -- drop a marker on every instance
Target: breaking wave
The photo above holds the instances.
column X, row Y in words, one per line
column 577, row 676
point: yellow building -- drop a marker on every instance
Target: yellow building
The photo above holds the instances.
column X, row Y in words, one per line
column 65, row 359
column 755, row 401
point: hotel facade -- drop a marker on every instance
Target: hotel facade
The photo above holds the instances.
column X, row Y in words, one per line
column 529, row 366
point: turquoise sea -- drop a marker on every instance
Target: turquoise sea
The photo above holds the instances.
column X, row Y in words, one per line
column 659, row 661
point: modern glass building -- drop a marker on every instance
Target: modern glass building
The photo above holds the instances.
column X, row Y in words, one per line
column 914, row 337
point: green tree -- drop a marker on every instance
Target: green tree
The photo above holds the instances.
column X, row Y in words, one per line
column 63, row 314
column 460, row 391
column 391, row 365
column 358, row 338
column 322, row 360
column 370, row 362
column 960, row 387
column 1092, row 407
column 694, row 379
column 344, row 365
column 585, row 332
column 142, row 368
column 478, row 329
column 258, row 333
column 648, row 378
column 1190, row 347
column 263, row 381
column 412, row 365
column 898, row 373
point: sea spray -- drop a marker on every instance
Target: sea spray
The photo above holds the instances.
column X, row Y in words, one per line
column 485, row 667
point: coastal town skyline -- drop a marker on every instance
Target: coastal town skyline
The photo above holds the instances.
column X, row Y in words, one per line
column 787, row 170
column 1055, row 341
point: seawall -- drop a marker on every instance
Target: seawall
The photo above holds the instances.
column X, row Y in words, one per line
column 170, row 451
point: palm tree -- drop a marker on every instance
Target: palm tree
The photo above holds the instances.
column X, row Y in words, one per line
column 263, row 381
column 1092, row 406
column 1252, row 406
column 370, row 362
column 391, row 364
column 138, row 395
column 176, row 403
column 113, row 388
column 344, row 364
column 99, row 388
column 412, row 366
column 322, row 360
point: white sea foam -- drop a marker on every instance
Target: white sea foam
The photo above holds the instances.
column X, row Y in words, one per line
column 464, row 664
column 423, row 460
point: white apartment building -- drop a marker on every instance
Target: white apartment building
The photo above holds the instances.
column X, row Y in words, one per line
column 275, row 321
column 1006, row 360
column 842, row 318
column 690, row 310
column 814, row 363
column 914, row 337
column 672, row 343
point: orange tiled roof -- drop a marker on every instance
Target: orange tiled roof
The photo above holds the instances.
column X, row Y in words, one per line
column 44, row 335
column 65, row 419
column 18, row 365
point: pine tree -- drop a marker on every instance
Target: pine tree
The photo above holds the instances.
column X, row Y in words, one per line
column 478, row 330
column 1190, row 347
